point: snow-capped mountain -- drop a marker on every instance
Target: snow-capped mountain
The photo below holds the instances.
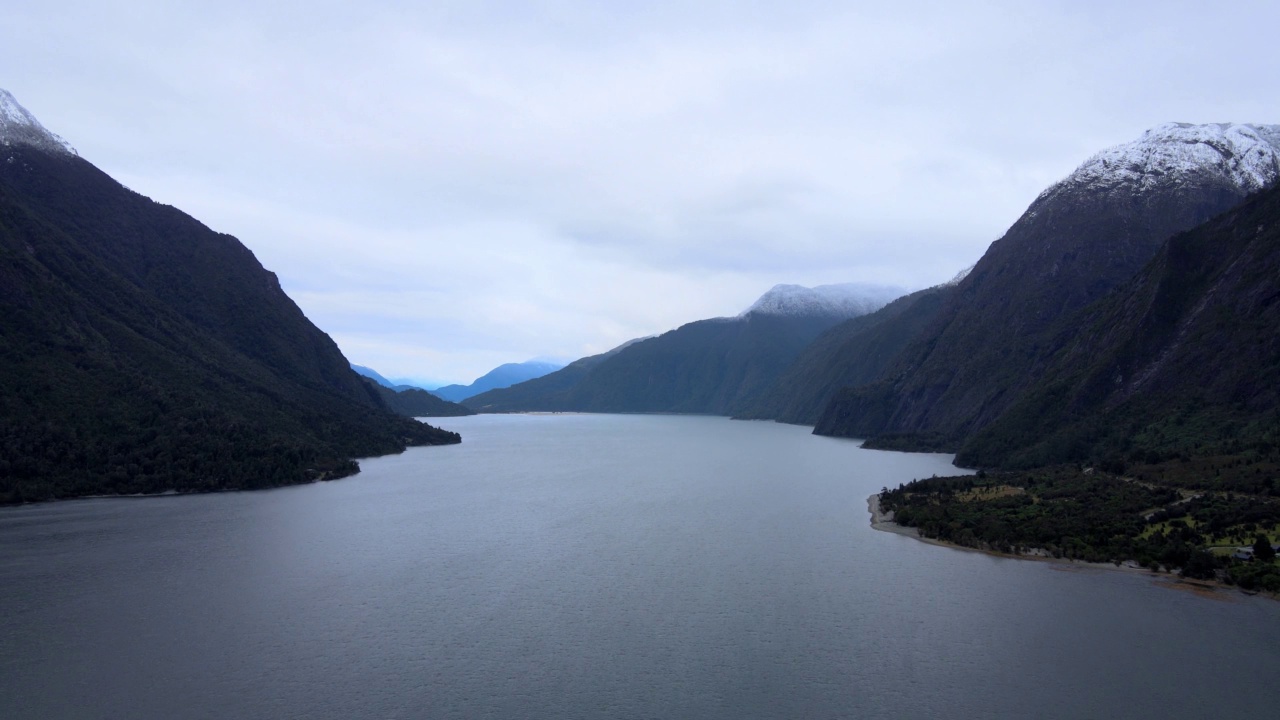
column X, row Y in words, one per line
column 1245, row 156
column 19, row 127
column 844, row 300
column 1080, row 239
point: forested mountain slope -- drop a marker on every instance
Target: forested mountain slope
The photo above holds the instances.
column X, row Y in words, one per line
column 141, row 351
column 714, row 366
column 1080, row 239
column 1184, row 359
column 853, row 353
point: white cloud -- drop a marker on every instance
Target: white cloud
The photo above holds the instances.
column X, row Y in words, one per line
column 447, row 188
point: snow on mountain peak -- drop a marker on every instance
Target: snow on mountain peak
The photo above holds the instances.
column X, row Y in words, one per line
column 1247, row 156
column 20, row 127
column 842, row 300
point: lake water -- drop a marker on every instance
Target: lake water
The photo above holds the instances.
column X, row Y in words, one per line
column 592, row 566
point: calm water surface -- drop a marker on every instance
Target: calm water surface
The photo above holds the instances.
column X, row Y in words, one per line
column 586, row 566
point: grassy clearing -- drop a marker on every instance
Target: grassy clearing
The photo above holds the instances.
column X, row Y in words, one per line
column 1167, row 525
column 990, row 492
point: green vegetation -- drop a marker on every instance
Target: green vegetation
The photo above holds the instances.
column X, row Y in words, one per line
column 707, row 366
column 851, row 354
column 1095, row 516
column 142, row 352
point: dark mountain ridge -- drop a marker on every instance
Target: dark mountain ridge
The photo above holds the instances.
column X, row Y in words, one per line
column 1081, row 238
column 1182, row 359
column 144, row 352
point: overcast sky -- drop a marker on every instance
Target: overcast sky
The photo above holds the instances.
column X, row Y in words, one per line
column 445, row 187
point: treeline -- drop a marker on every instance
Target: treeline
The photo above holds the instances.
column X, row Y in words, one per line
column 1090, row 515
column 68, row 431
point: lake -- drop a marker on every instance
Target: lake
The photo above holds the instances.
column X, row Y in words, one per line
column 592, row 566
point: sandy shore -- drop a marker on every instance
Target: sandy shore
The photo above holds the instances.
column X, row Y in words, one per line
column 883, row 520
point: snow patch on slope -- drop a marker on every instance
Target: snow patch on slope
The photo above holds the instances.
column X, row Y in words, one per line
column 1246, row 156
column 19, row 127
column 844, row 300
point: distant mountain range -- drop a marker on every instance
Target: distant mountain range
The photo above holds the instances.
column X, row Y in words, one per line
column 410, row 400
column 416, row 402
column 1127, row 313
column 144, row 352
column 373, row 375
column 502, row 376
column 710, row 366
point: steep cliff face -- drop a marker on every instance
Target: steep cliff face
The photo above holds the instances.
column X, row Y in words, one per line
column 144, row 352
column 1081, row 238
column 1182, row 359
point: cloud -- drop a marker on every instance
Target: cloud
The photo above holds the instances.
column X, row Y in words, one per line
column 445, row 188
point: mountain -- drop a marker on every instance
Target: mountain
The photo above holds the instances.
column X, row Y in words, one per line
column 373, row 375
column 141, row 351
column 402, row 383
column 500, row 377
column 551, row 391
column 21, row 129
column 853, row 353
column 710, row 366
column 1184, row 359
column 846, row 300
column 1082, row 237
column 399, row 385
column 416, row 402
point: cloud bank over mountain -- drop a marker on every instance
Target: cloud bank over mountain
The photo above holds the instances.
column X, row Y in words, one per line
column 448, row 188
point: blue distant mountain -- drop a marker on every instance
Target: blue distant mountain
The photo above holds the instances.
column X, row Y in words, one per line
column 373, row 375
column 398, row 385
column 503, row 376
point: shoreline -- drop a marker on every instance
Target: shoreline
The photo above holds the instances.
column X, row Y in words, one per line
column 883, row 521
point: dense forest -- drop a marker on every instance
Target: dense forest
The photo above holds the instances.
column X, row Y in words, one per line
column 1163, row 518
column 1166, row 390
column 142, row 352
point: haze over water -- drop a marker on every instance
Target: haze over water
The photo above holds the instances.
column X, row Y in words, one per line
column 592, row 566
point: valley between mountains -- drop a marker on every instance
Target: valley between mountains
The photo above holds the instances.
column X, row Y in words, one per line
column 1111, row 362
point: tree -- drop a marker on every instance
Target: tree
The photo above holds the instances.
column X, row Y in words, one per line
column 1262, row 549
column 1199, row 565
